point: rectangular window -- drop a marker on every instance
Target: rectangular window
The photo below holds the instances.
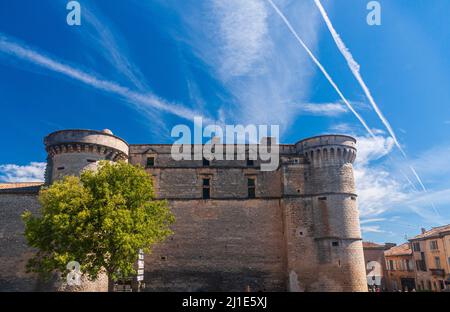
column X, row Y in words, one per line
column 206, row 162
column 448, row 260
column 391, row 265
column 416, row 247
column 60, row 168
column 437, row 261
column 423, row 266
column 206, row 189
column 418, row 265
column 410, row 265
column 150, row 162
column 251, row 185
column 250, row 162
column 434, row 245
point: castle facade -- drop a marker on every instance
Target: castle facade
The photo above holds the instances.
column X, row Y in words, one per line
column 237, row 228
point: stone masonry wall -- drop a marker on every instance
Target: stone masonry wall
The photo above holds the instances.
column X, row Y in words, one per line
column 221, row 245
column 14, row 252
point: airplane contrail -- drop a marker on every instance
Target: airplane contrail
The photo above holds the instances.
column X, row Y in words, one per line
column 23, row 52
column 322, row 69
column 355, row 69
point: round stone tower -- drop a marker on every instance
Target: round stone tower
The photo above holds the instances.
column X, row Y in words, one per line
column 72, row 151
column 330, row 187
column 69, row 153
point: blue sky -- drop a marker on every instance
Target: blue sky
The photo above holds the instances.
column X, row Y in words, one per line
column 139, row 67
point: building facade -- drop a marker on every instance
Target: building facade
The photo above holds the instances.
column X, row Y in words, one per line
column 400, row 269
column 431, row 252
column 374, row 252
column 237, row 228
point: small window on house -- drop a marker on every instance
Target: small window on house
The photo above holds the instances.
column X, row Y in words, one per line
column 434, row 245
column 164, row 258
column 91, row 160
column 206, row 162
column 416, row 246
column 437, row 261
column 322, row 198
column 251, row 187
column 353, row 198
column 150, row 162
column 60, row 168
column 206, row 189
column 335, row 244
column 250, row 162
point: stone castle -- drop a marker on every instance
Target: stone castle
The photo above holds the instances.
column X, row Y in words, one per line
column 237, row 228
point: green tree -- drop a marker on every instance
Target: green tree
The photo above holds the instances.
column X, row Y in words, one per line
column 100, row 220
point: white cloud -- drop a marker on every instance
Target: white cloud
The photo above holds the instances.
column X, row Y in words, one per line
column 365, row 221
column 141, row 101
column 33, row 172
column 260, row 69
column 243, row 32
column 383, row 186
column 372, row 229
column 374, row 182
column 323, row 109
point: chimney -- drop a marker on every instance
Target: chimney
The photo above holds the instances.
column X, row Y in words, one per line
column 423, row 230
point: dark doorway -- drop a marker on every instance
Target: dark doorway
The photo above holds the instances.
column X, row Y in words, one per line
column 408, row 284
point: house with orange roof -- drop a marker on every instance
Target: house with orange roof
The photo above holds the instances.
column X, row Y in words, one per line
column 431, row 253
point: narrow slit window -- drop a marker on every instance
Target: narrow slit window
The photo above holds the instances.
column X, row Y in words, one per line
column 251, row 185
column 206, row 189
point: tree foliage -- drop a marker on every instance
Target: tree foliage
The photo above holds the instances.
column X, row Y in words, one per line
column 100, row 220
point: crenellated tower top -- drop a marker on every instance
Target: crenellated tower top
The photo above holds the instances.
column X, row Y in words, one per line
column 327, row 150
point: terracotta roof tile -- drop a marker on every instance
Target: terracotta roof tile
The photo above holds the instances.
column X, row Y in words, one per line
column 400, row 250
column 433, row 232
column 372, row 245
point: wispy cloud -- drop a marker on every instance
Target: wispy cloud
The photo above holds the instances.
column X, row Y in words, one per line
column 322, row 109
column 256, row 65
column 320, row 66
column 243, row 32
column 355, row 69
column 380, row 183
column 372, row 229
column 375, row 181
column 365, row 221
column 33, row 172
column 98, row 31
column 140, row 100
